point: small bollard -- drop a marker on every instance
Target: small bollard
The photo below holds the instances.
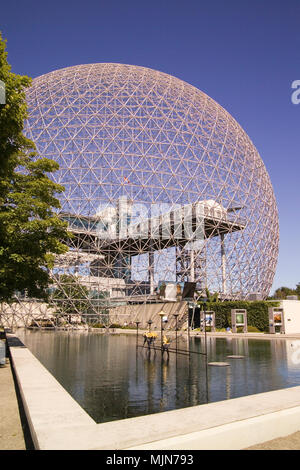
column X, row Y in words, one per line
column 2, row 353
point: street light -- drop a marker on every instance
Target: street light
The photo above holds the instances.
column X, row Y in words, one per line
column 162, row 314
column 137, row 331
column 176, row 329
column 204, row 300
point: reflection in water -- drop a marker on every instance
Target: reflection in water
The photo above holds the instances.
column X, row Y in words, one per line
column 112, row 379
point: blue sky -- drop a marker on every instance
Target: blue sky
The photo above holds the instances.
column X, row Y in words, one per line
column 244, row 54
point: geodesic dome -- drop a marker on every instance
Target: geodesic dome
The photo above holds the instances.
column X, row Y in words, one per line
column 128, row 136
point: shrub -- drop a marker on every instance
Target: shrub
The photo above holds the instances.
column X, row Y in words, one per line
column 97, row 325
column 253, row 329
column 257, row 312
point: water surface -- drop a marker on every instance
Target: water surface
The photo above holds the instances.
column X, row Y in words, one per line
column 112, row 379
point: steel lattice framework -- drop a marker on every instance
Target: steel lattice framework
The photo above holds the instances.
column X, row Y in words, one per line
column 130, row 135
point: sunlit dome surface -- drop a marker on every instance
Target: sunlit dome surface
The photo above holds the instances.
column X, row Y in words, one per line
column 132, row 132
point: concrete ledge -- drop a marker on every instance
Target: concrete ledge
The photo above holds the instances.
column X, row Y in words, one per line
column 232, row 424
column 199, row 334
column 233, row 436
column 45, row 401
column 57, row 421
column 219, row 334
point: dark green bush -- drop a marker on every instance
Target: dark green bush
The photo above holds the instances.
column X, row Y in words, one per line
column 115, row 325
column 257, row 312
column 253, row 329
column 97, row 325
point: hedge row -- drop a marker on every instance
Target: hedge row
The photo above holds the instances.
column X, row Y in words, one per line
column 257, row 312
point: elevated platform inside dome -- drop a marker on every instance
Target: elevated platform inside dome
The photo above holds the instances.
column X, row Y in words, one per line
column 152, row 234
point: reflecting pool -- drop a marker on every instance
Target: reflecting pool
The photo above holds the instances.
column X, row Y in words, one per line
column 113, row 379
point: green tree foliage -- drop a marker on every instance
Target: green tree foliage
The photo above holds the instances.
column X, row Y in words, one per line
column 211, row 297
column 30, row 231
column 282, row 292
column 71, row 297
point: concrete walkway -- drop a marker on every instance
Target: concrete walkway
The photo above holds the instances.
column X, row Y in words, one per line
column 264, row 336
column 11, row 433
column 291, row 442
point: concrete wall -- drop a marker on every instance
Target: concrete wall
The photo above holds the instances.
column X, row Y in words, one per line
column 145, row 312
column 291, row 316
column 57, row 422
column 23, row 313
column 26, row 313
column 19, row 314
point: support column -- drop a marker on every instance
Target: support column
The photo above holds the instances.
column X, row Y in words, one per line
column 192, row 266
column 151, row 271
column 223, row 264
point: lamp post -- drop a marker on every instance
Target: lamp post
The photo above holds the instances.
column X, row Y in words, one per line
column 204, row 300
column 176, row 328
column 137, row 331
column 149, row 339
column 161, row 314
column 188, row 324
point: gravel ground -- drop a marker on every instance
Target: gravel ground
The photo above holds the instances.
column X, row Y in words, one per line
column 11, row 433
